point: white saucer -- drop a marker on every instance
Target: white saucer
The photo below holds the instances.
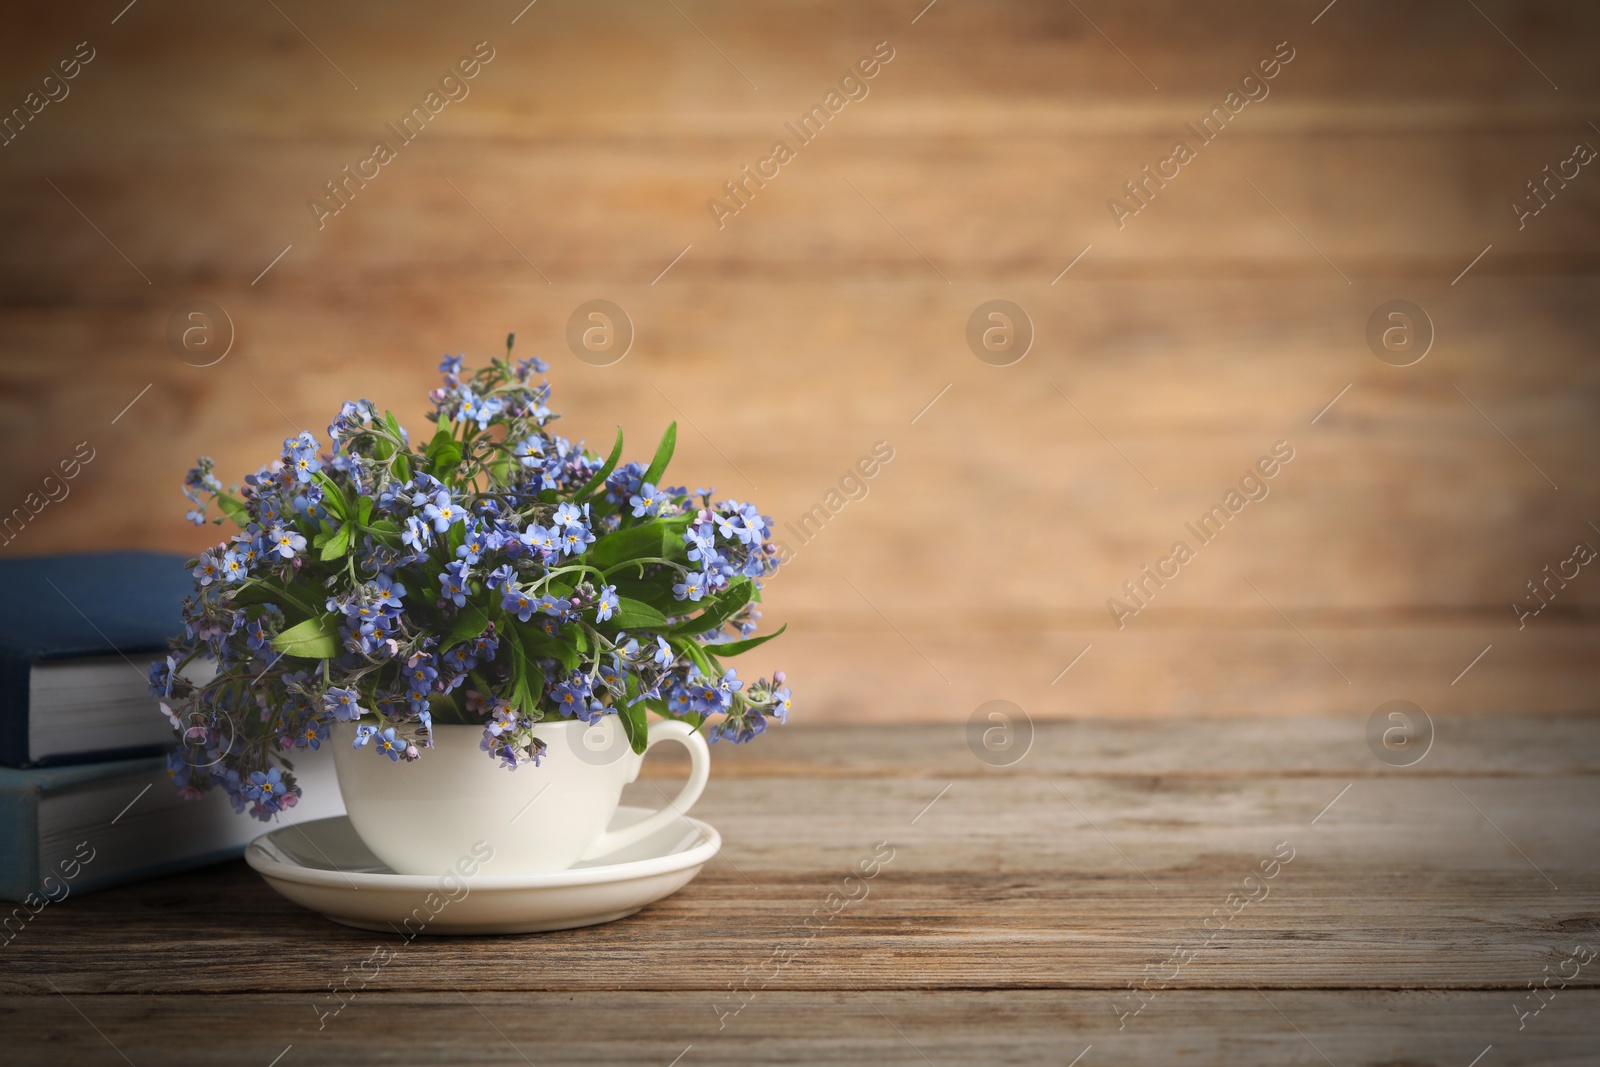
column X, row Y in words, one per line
column 324, row 866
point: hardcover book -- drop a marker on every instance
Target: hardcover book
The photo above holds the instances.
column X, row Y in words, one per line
column 77, row 634
column 69, row 830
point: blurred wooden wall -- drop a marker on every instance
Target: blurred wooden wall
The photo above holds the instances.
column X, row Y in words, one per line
column 829, row 312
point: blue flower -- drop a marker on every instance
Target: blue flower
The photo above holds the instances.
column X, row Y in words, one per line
column 693, row 587
column 607, row 604
column 233, row 568
column 312, row 733
column 732, row 528
column 530, row 451
column 475, row 544
column 572, row 696
column 646, row 501
column 363, row 735
column 388, row 744
column 569, row 515
column 459, row 660
column 387, row 594
column 179, row 769
column 662, row 654
column 416, row 534
column 353, row 414
column 540, row 538
column 702, row 541
column 518, row 603
column 300, row 455
column 575, row 539
column 424, row 487
column 207, row 570
column 258, row 636
column 161, row 675
column 285, row 541
column 343, row 703
column 264, row 785
column 553, row 605
column 478, row 409
column 443, row 511
column 755, row 522
column 453, row 584
column 420, row 675
column 504, row 718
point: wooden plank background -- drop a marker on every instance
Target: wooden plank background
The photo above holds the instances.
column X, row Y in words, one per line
column 827, row 314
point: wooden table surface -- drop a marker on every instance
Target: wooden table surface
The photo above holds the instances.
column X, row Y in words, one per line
column 1013, row 913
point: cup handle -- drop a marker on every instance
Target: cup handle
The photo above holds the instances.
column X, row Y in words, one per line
column 699, row 772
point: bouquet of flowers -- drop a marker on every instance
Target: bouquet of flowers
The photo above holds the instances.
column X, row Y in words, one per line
column 498, row 576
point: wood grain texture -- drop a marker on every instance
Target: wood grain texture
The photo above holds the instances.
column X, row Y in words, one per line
column 1223, row 317
column 878, row 1028
column 1017, row 910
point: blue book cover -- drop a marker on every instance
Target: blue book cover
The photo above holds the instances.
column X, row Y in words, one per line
column 71, row 830
column 77, row 607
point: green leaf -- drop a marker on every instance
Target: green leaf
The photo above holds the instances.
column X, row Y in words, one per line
column 636, row 615
column 540, row 645
column 364, row 510
column 386, row 530
column 469, row 624
column 604, row 472
column 333, row 497
column 635, row 542
column 695, row 653
column 658, row 466
column 635, row 726
column 656, row 592
column 290, row 597
column 394, row 425
column 338, row 544
column 443, row 454
column 234, row 509
column 447, row 710
column 726, row 604
column 522, row 696
column 734, row 648
column 316, row 638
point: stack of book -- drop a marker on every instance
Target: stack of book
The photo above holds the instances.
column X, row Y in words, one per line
column 85, row 798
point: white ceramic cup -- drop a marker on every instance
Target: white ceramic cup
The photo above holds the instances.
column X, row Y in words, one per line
column 422, row 817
